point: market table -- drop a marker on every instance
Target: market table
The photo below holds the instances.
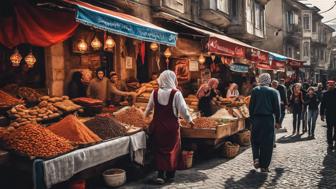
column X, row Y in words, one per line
column 47, row 173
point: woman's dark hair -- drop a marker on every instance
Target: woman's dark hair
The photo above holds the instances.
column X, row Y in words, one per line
column 76, row 76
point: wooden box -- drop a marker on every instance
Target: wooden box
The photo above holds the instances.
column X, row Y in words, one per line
column 220, row 131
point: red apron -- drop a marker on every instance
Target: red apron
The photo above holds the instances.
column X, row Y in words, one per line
column 166, row 139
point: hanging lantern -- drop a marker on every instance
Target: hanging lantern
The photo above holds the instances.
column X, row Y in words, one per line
column 30, row 59
column 109, row 44
column 16, row 58
column 201, row 59
column 213, row 57
column 167, row 53
column 154, row 46
column 82, row 46
column 96, row 44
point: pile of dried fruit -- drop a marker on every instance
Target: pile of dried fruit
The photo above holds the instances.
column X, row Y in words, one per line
column 35, row 140
column 7, row 100
column 201, row 122
column 29, row 94
column 106, row 127
column 132, row 116
column 74, row 130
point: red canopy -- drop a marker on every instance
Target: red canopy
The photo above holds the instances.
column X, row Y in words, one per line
column 36, row 26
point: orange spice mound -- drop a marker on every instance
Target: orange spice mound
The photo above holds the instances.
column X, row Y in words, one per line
column 74, row 130
column 35, row 140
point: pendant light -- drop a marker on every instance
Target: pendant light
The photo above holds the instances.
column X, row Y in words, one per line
column 109, row 44
column 201, row 59
column 16, row 58
column 167, row 53
column 213, row 57
column 30, row 59
column 96, row 44
column 82, row 46
column 154, row 46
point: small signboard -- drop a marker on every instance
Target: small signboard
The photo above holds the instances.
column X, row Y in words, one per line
column 129, row 63
column 241, row 68
column 193, row 66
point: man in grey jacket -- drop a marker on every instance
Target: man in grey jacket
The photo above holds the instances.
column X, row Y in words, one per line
column 265, row 115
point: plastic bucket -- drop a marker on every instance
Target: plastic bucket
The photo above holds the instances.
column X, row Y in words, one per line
column 188, row 158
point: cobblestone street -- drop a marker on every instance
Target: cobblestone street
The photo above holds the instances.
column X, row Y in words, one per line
column 297, row 163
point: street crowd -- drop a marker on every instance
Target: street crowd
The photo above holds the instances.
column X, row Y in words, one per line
column 269, row 102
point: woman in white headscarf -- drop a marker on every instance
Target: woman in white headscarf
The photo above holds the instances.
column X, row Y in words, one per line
column 168, row 104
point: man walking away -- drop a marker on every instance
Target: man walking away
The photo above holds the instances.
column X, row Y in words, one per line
column 328, row 111
column 264, row 106
column 283, row 97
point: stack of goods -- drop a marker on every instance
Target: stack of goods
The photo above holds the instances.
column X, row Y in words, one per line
column 237, row 113
column 42, row 112
column 223, row 116
column 244, row 111
column 201, row 123
column 74, row 130
column 192, row 102
column 67, row 106
column 222, row 101
column 106, row 127
column 35, row 140
column 247, row 100
column 29, row 94
column 146, row 90
column 91, row 106
column 131, row 116
column 7, row 100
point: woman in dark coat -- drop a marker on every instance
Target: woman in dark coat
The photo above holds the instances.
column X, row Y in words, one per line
column 76, row 88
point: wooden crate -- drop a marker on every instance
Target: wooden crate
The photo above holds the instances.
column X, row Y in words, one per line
column 220, row 131
column 241, row 124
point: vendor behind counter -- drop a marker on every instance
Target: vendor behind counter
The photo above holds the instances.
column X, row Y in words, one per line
column 97, row 88
column 118, row 91
column 205, row 94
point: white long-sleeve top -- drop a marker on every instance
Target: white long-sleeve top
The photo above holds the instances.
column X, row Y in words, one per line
column 180, row 107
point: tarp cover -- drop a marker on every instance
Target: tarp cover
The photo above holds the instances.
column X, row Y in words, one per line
column 123, row 24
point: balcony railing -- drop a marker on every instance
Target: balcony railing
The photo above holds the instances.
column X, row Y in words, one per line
column 293, row 28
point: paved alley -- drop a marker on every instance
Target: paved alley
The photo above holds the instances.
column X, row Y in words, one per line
column 297, row 163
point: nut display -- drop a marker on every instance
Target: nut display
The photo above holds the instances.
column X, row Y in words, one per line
column 7, row 100
column 35, row 140
column 132, row 116
column 201, row 122
column 29, row 94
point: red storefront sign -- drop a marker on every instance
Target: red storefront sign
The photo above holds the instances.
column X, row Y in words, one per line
column 278, row 65
column 295, row 63
column 226, row 48
column 259, row 56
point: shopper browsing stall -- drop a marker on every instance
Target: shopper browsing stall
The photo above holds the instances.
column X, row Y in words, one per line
column 205, row 94
column 296, row 103
column 168, row 103
column 98, row 86
column 117, row 90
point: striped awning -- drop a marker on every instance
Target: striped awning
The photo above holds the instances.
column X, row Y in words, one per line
column 123, row 24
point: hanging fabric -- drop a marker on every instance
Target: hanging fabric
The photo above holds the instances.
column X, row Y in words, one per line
column 36, row 26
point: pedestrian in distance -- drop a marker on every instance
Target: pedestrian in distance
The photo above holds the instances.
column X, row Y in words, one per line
column 168, row 104
column 328, row 112
column 312, row 101
column 296, row 103
column 281, row 88
column 265, row 116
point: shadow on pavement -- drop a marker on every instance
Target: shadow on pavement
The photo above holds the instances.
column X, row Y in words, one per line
column 254, row 180
column 292, row 139
column 328, row 173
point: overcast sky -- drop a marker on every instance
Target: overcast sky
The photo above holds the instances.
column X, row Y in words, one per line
column 325, row 5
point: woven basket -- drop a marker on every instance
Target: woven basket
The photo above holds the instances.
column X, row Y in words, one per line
column 244, row 138
column 230, row 150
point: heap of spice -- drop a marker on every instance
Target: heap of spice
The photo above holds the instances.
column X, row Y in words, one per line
column 7, row 100
column 106, row 127
column 74, row 130
column 37, row 141
column 132, row 116
column 201, row 122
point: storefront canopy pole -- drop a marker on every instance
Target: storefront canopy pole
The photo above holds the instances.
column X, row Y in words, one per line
column 122, row 24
